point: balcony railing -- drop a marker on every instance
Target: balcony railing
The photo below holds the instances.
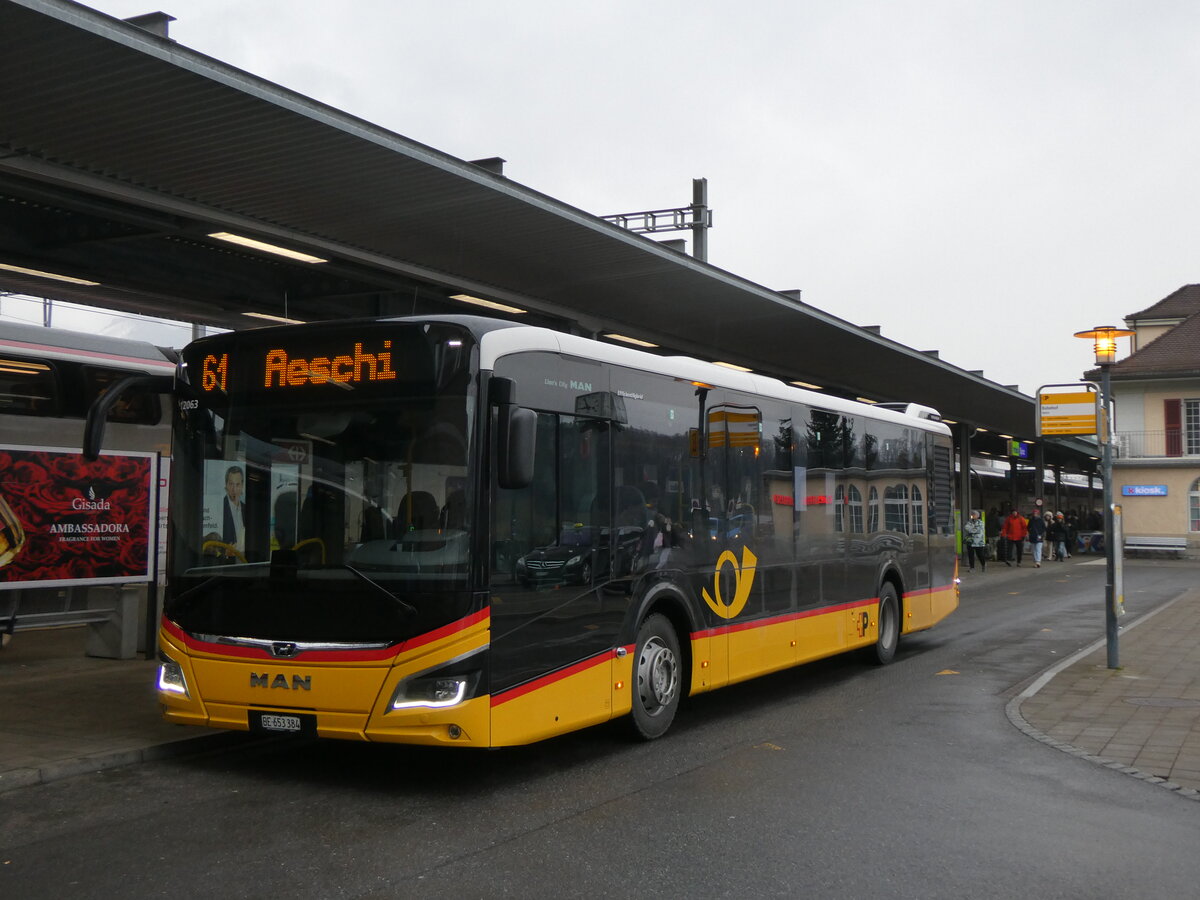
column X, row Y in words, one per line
column 1172, row 443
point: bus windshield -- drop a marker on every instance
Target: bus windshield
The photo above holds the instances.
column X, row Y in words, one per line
column 321, row 486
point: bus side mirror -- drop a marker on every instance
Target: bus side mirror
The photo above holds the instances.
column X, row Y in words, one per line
column 516, row 442
column 93, row 426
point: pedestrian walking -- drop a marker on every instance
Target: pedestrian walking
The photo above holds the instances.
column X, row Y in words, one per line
column 1056, row 534
column 1013, row 533
column 1037, row 536
column 973, row 536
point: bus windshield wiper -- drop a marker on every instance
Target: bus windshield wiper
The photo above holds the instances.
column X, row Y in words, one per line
column 407, row 608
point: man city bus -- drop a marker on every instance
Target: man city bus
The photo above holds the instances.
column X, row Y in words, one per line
column 465, row 531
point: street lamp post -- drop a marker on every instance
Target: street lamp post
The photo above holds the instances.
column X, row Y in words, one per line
column 1104, row 338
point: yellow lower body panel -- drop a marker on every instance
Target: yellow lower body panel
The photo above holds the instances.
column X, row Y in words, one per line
column 466, row 725
column 350, row 701
column 565, row 701
column 925, row 609
column 762, row 649
column 710, row 662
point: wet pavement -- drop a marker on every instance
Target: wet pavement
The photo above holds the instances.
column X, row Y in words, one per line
column 63, row 713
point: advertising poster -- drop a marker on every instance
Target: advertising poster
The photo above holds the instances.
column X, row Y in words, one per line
column 224, row 505
column 67, row 521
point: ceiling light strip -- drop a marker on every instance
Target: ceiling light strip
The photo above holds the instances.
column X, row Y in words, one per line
column 253, row 244
column 271, row 318
column 637, row 342
column 38, row 273
column 490, row 304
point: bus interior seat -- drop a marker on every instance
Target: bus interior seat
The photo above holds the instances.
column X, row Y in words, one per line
column 418, row 511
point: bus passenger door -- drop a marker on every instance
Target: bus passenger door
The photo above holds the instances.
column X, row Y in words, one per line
column 553, row 622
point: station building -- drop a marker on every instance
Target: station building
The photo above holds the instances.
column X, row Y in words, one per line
column 1156, row 389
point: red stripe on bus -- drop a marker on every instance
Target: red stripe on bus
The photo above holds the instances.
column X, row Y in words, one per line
column 446, row 630
column 930, row 590
column 538, row 683
column 779, row 620
column 382, row 653
column 90, row 355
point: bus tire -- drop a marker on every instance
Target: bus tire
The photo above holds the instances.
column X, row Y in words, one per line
column 888, row 639
column 657, row 677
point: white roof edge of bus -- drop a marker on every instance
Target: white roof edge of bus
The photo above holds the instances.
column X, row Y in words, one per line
column 19, row 338
column 506, row 341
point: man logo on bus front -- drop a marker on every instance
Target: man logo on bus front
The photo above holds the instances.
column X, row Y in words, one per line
column 743, row 580
column 284, row 649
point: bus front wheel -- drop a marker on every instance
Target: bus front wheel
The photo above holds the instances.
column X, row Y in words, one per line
column 657, row 672
column 884, row 650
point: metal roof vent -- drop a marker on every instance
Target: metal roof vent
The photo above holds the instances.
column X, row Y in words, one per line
column 913, row 409
column 493, row 164
column 157, row 23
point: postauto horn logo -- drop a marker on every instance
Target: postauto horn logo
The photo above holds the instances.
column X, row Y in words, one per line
column 743, row 576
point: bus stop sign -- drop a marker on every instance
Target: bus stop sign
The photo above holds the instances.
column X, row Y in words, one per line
column 1069, row 409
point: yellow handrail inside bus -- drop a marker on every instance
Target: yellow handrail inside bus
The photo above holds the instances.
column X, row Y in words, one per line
column 221, row 548
column 304, row 543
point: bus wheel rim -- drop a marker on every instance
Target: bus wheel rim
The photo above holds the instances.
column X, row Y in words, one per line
column 658, row 675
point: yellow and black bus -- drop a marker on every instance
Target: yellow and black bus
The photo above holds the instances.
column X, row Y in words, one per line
column 464, row 531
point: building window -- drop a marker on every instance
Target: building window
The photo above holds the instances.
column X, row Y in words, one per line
column 856, row 510
column 1194, row 506
column 895, row 508
column 1191, row 427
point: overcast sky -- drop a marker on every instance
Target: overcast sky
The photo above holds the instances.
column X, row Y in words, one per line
column 979, row 178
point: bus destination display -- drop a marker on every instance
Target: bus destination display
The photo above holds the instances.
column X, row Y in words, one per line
column 283, row 369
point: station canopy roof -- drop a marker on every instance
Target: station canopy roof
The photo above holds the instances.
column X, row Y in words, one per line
column 122, row 153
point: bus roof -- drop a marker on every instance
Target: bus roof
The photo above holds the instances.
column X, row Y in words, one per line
column 63, row 344
column 523, row 338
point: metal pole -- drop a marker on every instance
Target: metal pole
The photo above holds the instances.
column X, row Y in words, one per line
column 1110, row 548
column 150, row 625
column 700, row 219
column 965, row 431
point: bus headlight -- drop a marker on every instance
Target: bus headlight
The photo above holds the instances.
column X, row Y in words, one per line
column 432, row 692
column 170, row 676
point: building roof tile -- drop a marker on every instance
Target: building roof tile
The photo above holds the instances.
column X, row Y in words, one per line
column 1176, row 353
column 1178, row 305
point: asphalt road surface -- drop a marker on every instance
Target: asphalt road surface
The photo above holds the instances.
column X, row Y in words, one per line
column 832, row 780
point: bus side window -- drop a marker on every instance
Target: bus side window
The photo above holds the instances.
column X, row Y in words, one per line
column 136, row 407
column 28, row 387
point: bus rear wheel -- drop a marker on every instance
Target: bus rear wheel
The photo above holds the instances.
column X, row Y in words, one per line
column 657, row 672
column 884, row 650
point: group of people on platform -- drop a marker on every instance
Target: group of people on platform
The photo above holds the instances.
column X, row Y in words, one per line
column 1052, row 534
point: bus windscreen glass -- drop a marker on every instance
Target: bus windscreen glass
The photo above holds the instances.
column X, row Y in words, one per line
column 321, row 483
